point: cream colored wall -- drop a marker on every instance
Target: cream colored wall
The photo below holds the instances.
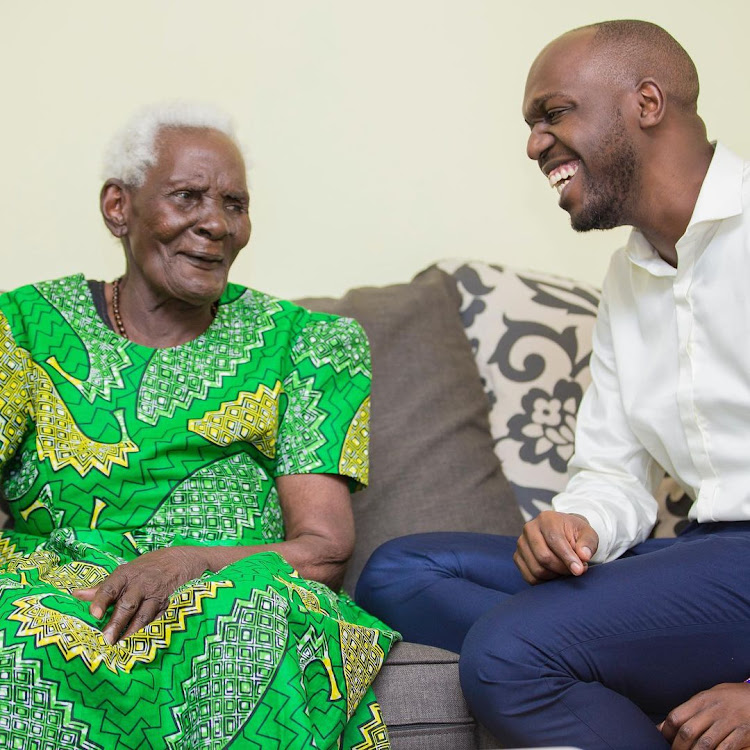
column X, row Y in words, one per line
column 383, row 135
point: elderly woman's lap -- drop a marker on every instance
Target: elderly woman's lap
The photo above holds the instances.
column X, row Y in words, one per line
column 253, row 634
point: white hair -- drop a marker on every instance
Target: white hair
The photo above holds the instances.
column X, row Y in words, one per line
column 133, row 149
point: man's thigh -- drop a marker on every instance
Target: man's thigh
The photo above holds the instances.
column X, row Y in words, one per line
column 655, row 627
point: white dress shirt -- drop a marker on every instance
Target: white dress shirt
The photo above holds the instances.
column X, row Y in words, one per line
column 671, row 374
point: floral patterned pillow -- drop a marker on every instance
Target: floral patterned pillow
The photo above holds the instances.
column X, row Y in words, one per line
column 531, row 336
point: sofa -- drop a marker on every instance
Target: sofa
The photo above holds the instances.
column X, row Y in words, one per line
column 478, row 371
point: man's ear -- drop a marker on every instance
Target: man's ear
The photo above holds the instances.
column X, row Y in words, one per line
column 114, row 202
column 651, row 103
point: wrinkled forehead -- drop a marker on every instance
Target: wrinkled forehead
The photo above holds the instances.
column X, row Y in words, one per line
column 170, row 141
column 186, row 150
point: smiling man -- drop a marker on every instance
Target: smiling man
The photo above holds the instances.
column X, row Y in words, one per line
column 631, row 642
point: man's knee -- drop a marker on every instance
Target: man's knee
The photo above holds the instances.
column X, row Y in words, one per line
column 497, row 667
column 378, row 573
column 401, row 567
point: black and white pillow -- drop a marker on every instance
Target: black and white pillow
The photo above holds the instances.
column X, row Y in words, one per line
column 531, row 336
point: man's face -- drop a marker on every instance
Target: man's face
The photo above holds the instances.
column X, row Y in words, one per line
column 579, row 135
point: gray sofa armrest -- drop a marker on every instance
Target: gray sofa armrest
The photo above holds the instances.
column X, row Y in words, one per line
column 421, row 699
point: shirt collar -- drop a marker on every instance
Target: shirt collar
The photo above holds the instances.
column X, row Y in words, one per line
column 720, row 197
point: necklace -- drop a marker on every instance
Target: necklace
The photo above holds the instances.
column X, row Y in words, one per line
column 116, row 308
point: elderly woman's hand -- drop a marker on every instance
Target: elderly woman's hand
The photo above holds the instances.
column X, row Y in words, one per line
column 319, row 540
column 140, row 589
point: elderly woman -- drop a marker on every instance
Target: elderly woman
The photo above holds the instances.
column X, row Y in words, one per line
column 177, row 453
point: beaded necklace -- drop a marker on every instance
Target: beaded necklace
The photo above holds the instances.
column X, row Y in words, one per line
column 116, row 308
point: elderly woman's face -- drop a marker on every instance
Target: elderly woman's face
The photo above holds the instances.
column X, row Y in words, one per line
column 189, row 219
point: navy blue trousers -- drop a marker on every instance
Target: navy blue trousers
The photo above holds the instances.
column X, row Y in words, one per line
column 594, row 661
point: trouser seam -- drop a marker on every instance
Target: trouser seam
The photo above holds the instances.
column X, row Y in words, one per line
column 622, row 633
column 579, row 717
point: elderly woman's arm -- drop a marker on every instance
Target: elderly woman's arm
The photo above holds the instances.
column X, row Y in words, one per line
column 319, row 529
column 319, row 541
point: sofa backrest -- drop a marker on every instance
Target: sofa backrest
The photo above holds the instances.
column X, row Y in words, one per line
column 432, row 460
column 478, row 372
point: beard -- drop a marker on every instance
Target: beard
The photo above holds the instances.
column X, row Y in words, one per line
column 607, row 199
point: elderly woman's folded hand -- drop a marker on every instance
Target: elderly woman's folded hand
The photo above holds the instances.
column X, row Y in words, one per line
column 138, row 591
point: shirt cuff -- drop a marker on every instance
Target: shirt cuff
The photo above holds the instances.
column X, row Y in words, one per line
column 595, row 519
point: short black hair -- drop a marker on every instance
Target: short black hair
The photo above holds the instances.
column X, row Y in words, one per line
column 640, row 49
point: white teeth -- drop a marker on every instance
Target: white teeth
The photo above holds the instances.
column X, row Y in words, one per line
column 562, row 174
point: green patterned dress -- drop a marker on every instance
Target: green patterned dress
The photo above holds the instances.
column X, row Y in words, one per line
column 110, row 449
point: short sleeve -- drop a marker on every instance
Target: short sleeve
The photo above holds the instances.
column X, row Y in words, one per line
column 15, row 399
column 325, row 425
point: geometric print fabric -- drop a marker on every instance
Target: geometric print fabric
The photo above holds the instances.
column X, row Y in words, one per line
column 106, row 361
column 218, row 502
column 126, row 475
column 251, row 417
column 332, row 343
column 178, row 375
column 234, row 670
column 31, row 715
column 357, row 443
column 297, row 446
column 13, row 388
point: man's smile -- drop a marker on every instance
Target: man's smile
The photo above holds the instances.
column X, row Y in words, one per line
column 560, row 176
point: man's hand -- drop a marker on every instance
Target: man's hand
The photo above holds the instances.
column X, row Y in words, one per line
column 555, row 544
column 140, row 589
column 715, row 718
